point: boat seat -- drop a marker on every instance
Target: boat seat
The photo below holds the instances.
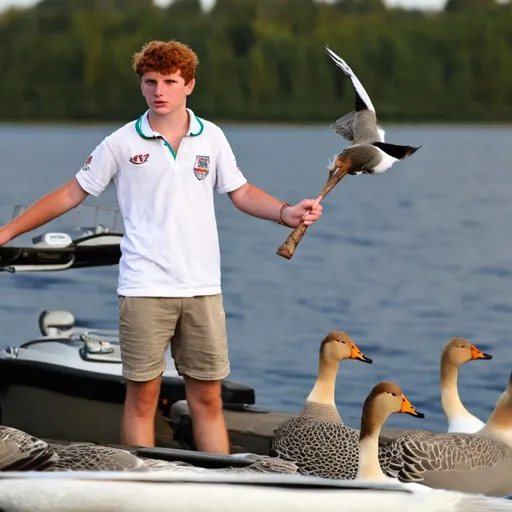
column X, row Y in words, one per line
column 179, row 411
column 181, row 423
column 251, row 429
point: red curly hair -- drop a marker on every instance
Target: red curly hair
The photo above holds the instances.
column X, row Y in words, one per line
column 166, row 58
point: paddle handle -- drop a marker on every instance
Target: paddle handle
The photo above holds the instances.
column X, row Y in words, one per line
column 334, row 180
column 289, row 246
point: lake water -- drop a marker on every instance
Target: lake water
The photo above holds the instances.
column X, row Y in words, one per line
column 402, row 261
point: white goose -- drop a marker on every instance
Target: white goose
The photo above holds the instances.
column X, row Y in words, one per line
column 457, row 352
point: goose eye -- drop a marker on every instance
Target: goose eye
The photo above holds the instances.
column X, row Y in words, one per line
column 343, row 341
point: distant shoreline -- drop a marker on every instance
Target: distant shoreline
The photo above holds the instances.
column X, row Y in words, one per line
column 83, row 123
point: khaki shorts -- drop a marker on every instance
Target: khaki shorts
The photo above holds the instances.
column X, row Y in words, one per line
column 195, row 327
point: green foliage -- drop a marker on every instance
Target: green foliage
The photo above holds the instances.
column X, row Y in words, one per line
column 261, row 60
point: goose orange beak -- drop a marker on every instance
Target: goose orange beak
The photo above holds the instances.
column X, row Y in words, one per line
column 357, row 354
column 478, row 354
column 408, row 408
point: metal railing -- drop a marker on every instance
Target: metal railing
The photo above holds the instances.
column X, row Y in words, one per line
column 105, row 218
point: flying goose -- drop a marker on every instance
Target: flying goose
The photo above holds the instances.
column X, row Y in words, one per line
column 457, row 352
column 369, row 153
column 317, row 440
column 478, row 463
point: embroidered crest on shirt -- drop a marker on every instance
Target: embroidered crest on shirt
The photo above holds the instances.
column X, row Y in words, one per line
column 139, row 159
column 202, row 167
column 87, row 165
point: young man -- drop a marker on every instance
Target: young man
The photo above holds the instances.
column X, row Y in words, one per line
column 166, row 166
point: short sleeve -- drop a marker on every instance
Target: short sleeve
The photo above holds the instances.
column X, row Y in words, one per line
column 98, row 170
column 229, row 177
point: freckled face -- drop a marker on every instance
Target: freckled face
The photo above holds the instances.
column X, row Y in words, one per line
column 165, row 94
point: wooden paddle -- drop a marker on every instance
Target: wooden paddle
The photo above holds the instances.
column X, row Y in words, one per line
column 341, row 169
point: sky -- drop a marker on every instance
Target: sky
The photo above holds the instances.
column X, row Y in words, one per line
column 9, row 3
column 422, row 4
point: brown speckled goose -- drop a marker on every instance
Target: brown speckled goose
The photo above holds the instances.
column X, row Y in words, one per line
column 22, row 452
column 317, row 440
column 476, row 463
column 91, row 457
column 384, row 399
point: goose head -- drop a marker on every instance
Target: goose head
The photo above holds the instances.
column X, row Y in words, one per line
column 384, row 399
column 338, row 345
column 335, row 347
column 459, row 351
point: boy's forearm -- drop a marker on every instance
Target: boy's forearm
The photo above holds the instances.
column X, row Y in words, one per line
column 45, row 209
column 256, row 202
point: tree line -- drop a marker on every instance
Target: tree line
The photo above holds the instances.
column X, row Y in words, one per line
column 261, row 60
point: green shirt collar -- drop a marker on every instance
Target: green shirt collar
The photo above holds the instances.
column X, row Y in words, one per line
column 144, row 129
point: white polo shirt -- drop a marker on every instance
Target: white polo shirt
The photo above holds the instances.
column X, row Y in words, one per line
column 170, row 247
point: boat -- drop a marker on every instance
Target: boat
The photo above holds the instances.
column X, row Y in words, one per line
column 67, row 385
column 217, row 492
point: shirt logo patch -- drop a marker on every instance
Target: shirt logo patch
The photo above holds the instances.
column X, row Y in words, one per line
column 139, row 159
column 87, row 164
column 202, row 167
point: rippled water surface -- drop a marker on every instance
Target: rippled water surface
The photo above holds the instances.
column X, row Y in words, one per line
column 401, row 261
